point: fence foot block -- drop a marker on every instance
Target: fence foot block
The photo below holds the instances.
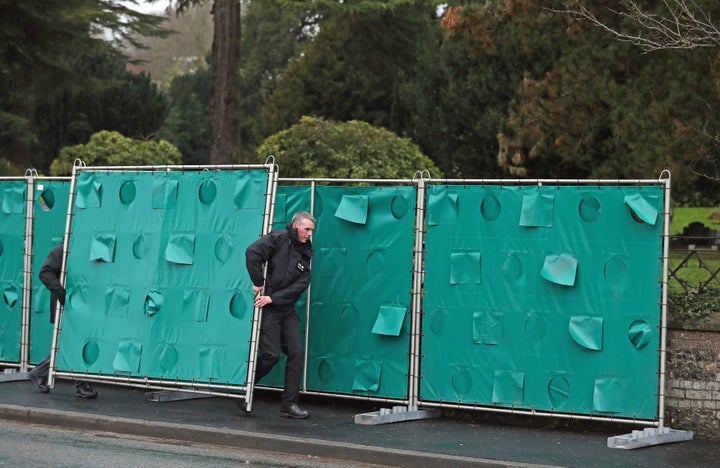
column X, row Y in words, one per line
column 647, row 437
column 163, row 396
column 13, row 375
column 395, row 414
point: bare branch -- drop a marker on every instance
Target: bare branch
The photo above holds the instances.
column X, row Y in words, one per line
column 682, row 25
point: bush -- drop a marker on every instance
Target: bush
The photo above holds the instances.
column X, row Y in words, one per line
column 694, row 305
column 8, row 169
column 353, row 150
column 107, row 148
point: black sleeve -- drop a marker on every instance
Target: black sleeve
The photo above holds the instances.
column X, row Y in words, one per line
column 256, row 255
column 50, row 273
column 290, row 294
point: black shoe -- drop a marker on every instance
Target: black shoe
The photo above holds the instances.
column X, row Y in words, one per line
column 39, row 383
column 293, row 411
column 85, row 391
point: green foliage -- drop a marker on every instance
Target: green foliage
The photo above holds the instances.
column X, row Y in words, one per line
column 187, row 125
column 42, row 47
column 354, row 7
column 8, row 169
column 113, row 149
column 322, row 148
column 264, row 54
column 113, row 99
column 352, row 69
column 605, row 110
column 467, row 73
column 694, row 305
column 184, row 5
column 495, row 88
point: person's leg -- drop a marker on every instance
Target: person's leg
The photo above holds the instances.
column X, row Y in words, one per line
column 38, row 376
column 293, row 348
column 270, row 341
column 42, row 370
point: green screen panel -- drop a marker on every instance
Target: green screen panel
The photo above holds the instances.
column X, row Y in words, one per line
column 12, row 249
column 49, row 217
column 289, row 199
column 543, row 297
column 359, row 330
column 156, row 278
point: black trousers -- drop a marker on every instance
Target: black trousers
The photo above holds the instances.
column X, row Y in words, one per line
column 43, row 370
column 280, row 332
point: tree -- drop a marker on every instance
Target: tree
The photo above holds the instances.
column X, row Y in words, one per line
column 187, row 125
column 39, row 42
column 605, row 111
column 668, row 24
column 467, row 73
column 113, row 100
column 225, row 80
column 224, row 99
column 226, row 39
column 272, row 36
column 323, row 148
column 183, row 52
column 113, row 149
column 353, row 67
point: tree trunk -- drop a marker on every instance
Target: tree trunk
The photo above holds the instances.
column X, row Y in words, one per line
column 224, row 100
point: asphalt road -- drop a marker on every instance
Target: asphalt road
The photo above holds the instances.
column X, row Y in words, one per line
column 38, row 446
column 330, row 437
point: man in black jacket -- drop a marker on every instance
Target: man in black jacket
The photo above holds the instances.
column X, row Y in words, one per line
column 287, row 254
column 50, row 277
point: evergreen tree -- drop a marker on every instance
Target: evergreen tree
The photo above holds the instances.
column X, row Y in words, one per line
column 467, row 74
column 353, row 68
column 272, row 35
column 608, row 111
column 113, row 99
column 187, row 125
column 39, row 44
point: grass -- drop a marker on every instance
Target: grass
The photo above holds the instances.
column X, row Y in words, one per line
column 696, row 271
column 681, row 217
column 700, row 267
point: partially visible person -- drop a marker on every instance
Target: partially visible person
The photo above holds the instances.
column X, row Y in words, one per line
column 287, row 253
column 50, row 277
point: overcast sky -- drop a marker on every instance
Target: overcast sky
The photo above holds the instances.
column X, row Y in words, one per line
column 145, row 7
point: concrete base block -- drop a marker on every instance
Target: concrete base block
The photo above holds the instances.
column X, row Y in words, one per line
column 396, row 414
column 647, row 437
column 163, row 396
column 13, row 375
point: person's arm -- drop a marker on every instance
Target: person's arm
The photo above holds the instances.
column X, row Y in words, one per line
column 290, row 294
column 256, row 255
column 50, row 273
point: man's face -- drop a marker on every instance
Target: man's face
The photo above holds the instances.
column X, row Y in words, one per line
column 305, row 228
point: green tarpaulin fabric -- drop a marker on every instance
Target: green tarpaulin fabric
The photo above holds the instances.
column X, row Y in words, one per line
column 49, row 217
column 12, row 251
column 156, row 280
column 558, row 312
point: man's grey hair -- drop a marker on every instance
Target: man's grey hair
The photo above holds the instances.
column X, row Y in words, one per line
column 300, row 215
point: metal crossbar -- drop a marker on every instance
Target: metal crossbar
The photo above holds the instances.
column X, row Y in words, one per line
column 707, row 260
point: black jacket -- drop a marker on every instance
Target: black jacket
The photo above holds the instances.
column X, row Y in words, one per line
column 288, row 266
column 50, row 277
